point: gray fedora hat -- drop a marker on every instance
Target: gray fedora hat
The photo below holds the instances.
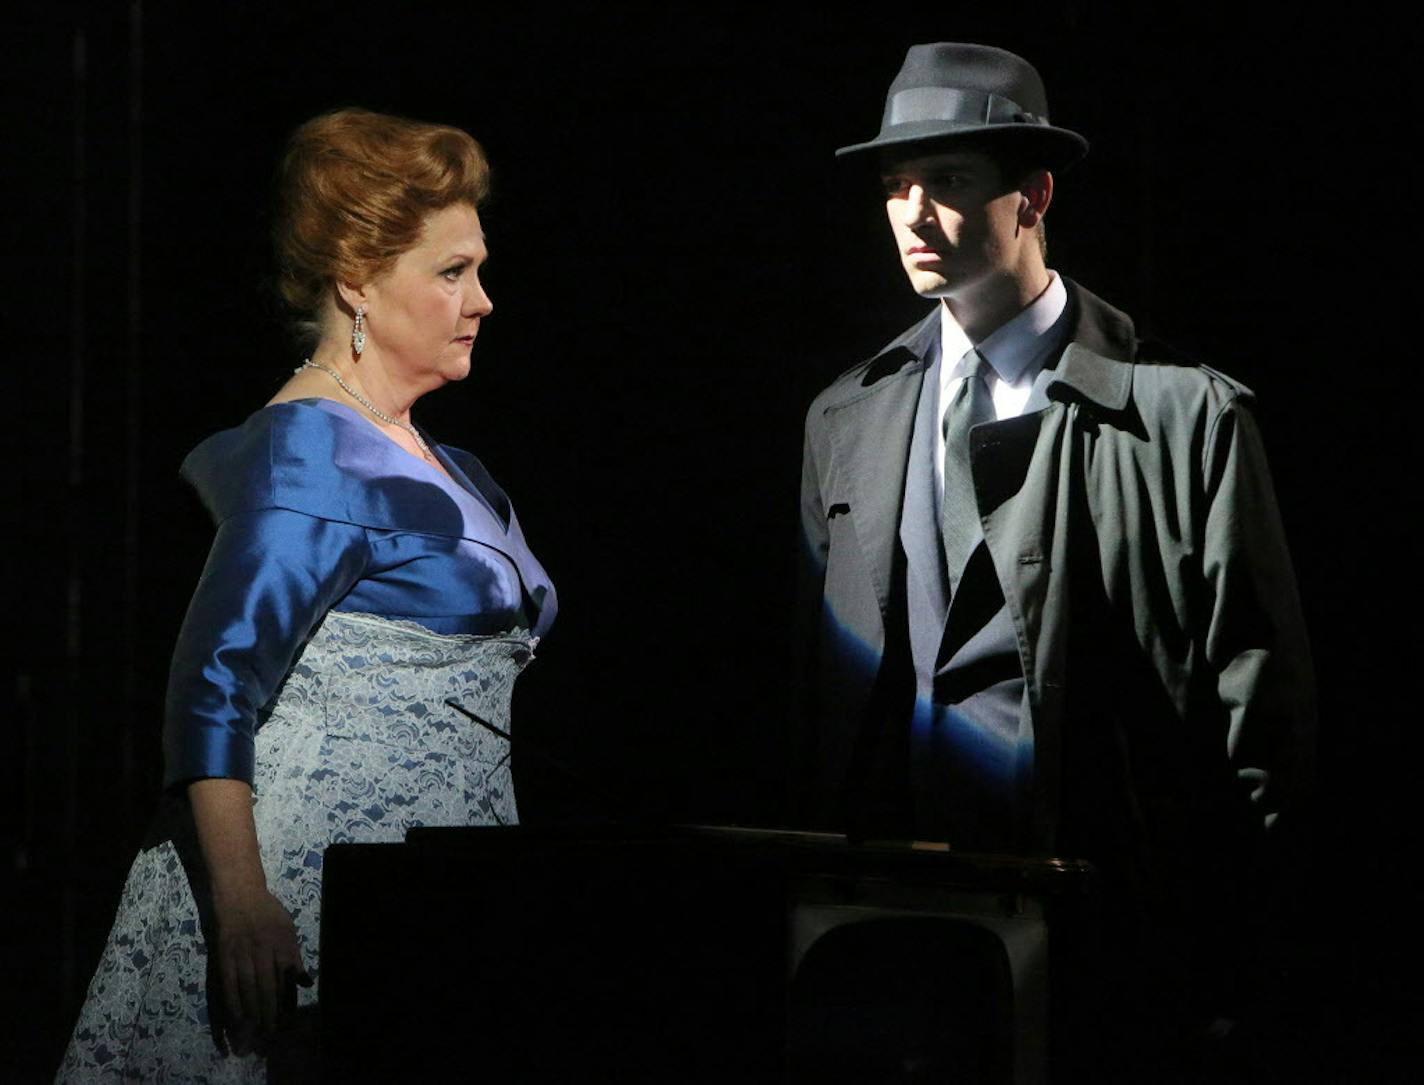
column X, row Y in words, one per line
column 950, row 89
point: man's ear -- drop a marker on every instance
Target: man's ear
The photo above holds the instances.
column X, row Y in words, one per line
column 1035, row 194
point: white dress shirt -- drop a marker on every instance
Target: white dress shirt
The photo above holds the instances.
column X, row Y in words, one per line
column 1016, row 352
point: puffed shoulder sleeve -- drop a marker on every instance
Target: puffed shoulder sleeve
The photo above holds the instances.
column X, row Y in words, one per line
column 270, row 577
column 276, row 567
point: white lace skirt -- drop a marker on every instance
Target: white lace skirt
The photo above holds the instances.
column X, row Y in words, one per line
column 357, row 746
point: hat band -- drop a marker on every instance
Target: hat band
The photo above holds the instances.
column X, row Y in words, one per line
column 950, row 104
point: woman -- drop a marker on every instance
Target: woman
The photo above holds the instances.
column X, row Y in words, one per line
column 361, row 576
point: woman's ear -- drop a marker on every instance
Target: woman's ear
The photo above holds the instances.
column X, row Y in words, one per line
column 353, row 294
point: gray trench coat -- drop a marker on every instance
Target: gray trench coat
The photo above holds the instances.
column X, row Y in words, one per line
column 1135, row 533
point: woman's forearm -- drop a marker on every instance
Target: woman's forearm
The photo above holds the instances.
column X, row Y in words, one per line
column 227, row 836
column 257, row 951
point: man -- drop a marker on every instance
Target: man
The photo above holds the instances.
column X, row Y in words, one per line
column 1054, row 612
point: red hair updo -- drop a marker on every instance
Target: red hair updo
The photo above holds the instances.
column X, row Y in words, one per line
column 354, row 190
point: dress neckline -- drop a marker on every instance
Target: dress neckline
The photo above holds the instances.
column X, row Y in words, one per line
column 457, row 476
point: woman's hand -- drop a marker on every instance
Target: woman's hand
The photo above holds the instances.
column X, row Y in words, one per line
column 257, row 957
column 258, row 962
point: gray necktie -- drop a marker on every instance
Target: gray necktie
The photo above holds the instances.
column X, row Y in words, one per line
column 959, row 512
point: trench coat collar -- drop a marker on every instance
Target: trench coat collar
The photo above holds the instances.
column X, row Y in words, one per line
column 913, row 350
column 1097, row 363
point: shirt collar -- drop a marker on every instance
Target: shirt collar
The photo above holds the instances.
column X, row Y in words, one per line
column 1017, row 350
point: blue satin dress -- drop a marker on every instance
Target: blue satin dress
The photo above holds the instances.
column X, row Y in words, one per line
column 351, row 591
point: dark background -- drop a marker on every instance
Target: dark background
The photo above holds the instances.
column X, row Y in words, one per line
column 677, row 266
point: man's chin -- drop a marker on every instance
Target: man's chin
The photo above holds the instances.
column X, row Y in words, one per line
column 930, row 286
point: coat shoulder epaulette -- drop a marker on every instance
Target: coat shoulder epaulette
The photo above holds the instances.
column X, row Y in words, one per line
column 1154, row 355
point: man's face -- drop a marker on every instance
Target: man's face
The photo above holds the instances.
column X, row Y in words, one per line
column 955, row 220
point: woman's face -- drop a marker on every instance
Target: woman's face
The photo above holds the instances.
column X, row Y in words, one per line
column 423, row 314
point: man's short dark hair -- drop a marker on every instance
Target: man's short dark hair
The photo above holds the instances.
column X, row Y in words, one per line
column 1016, row 160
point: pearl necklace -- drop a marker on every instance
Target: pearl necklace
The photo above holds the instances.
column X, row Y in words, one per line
column 359, row 398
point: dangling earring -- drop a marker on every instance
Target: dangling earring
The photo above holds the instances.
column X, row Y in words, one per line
column 358, row 333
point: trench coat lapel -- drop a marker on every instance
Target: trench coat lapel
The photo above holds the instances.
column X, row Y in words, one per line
column 1024, row 482
column 919, row 532
column 870, row 437
column 1018, row 502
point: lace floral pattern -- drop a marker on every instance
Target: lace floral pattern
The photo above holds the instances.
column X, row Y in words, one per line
column 358, row 745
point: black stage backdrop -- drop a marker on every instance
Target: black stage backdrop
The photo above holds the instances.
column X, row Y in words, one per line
column 677, row 266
